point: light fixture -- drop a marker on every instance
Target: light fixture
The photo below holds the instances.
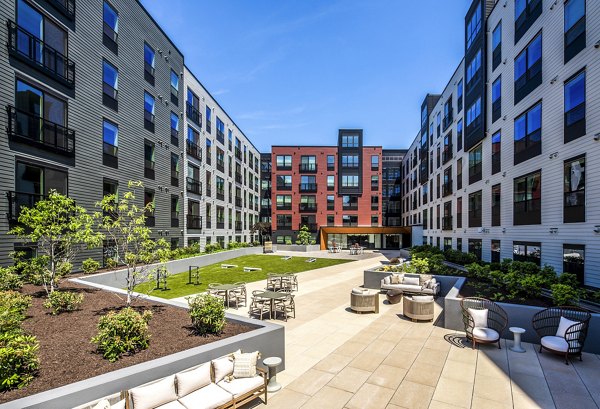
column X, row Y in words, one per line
column 504, row 230
column 553, row 80
column 597, row 137
column 597, row 45
column 553, row 155
column 553, row 230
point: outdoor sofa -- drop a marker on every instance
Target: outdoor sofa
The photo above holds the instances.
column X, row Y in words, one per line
column 420, row 284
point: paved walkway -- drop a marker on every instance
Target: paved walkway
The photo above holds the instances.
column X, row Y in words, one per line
column 338, row 359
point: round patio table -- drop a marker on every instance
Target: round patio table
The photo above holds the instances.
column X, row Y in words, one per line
column 394, row 296
column 227, row 288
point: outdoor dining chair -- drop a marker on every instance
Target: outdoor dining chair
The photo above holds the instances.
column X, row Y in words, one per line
column 259, row 305
column 239, row 295
column 286, row 306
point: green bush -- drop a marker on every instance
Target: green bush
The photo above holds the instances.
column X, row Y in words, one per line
column 9, row 279
column 63, row 301
column 123, row 332
column 33, row 269
column 18, row 359
column 568, row 279
column 563, row 294
column 417, row 266
column 90, row 266
column 288, row 242
column 13, row 306
column 207, row 313
column 111, row 263
column 213, row 247
column 531, row 285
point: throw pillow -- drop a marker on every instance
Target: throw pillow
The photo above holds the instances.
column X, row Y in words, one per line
column 119, row 405
column 396, row 279
column 359, row 291
column 103, row 404
column 480, row 317
column 424, row 277
column 155, row 394
column 192, row 380
column 244, row 365
column 387, row 280
column 411, row 280
column 223, row 366
column 563, row 326
column 432, row 283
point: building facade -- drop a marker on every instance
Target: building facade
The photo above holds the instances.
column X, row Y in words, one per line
column 85, row 123
column 504, row 161
column 391, row 186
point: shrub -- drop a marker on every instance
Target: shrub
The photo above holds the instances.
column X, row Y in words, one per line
column 568, row 279
column 207, row 313
column 213, row 247
column 63, row 301
column 18, row 359
column 111, row 263
column 288, row 242
column 89, row 266
column 13, row 306
column 9, row 279
column 531, row 285
column 417, row 266
column 123, row 332
column 563, row 294
column 304, row 236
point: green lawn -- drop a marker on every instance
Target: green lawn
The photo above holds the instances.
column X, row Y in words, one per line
column 213, row 273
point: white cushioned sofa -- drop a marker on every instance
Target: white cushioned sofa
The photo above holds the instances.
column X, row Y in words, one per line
column 212, row 385
column 422, row 284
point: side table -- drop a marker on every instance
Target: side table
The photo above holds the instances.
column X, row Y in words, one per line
column 272, row 363
column 517, row 339
column 394, row 296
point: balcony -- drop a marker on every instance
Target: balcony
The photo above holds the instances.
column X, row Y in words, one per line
column 194, row 221
column 238, row 153
column 238, row 226
column 447, row 223
column 31, row 129
column 193, row 150
column 34, row 52
column 284, row 206
column 66, row 7
column 447, row 189
column 19, row 200
column 221, row 166
column 353, row 206
column 308, row 167
column 284, row 187
column 238, row 201
column 284, row 226
column 193, row 114
column 220, row 195
column 307, row 207
column 447, row 121
column 193, row 185
column 308, row 187
column 221, row 137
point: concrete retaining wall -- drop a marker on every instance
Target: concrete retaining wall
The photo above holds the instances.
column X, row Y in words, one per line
column 296, row 247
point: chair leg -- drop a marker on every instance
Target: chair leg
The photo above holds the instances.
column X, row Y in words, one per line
column 499, row 347
column 567, row 358
column 540, row 348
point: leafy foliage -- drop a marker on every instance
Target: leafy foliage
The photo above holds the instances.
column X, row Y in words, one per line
column 417, row 266
column 13, row 306
column 563, row 294
column 90, row 266
column 63, row 301
column 212, row 247
column 234, row 245
column 61, row 229
column 304, row 238
column 18, row 359
column 207, row 313
column 123, row 332
column 263, row 229
column 9, row 279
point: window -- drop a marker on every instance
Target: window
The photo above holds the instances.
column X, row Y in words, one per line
column 350, row 202
column 374, row 182
column 496, row 210
column 459, row 246
column 496, row 150
column 474, row 26
column 459, row 135
column 528, row 134
column 475, row 209
column 149, row 63
column 475, row 165
column 110, row 138
column 349, row 220
column 110, row 85
column 374, row 220
column 208, row 184
column 330, row 162
column 192, row 147
column 497, row 46
column 193, row 108
column 220, row 188
column 284, row 162
column 474, row 114
column 149, row 206
column 527, row 251
column 308, row 183
column 374, row 202
column 308, row 163
column 574, row 261
column 459, row 212
column 330, row 220
column 527, row 199
column 110, row 26
column 174, row 169
column 528, row 69
column 308, row 203
column 495, row 251
column 148, row 112
column 284, row 182
column 208, row 217
column 350, row 141
column 496, row 99
column 330, row 182
column 149, row 159
column 174, row 210
column 459, row 96
column 174, row 129
column 374, row 162
column 350, row 161
column 330, row 202
column 220, row 131
column 208, row 152
column 574, row 28
column 475, row 247
column 438, row 123
column 574, row 118
column 349, row 180
column 459, row 172
column 208, row 119
column 473, row 70
column 526, row 12
column 574, row 190
column 220, row 160
column 284, row 202
column 284, row 221
column 174, row 88
column 447, row 186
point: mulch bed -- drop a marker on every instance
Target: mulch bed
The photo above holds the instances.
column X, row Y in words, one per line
column 66, row 354
column 478, row 289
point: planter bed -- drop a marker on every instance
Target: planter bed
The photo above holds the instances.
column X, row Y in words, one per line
column 66, row 354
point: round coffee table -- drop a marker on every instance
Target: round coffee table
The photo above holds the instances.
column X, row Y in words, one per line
column 394, row 296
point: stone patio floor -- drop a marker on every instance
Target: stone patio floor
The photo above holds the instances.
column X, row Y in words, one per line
column 338, row 359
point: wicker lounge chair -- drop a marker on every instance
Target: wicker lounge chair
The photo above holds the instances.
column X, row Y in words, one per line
column 490, row 330
column 566, row 338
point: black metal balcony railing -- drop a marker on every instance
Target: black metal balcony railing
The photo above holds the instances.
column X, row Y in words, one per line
column 311, row 226
column 194, row 221
column 19, row 200
column 447, row 223
column 447, row 121
column 208, row 191
column 208, row 125
column 475, row 173
column 193, row 185
column 284, row 206
column 66, row 7
column 208, row 223
column 308, row 167
column 238, row 153
column 238, row 226
column 307, row 207
column 193, row 150
column 32, row 129
column 447, row 153
column 238, row 201
column 220, row 166
column 220, row 136
column 284, row 187
column 353, row 206
column 284, row 226
column 193, row 114
column 33, row 51
column 220, row 195
column 220, row 224
column 308, row 187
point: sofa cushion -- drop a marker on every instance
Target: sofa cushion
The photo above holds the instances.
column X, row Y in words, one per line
column 480, row 317
column 485, row 334
column 244, row 365
column 430, row 283
column 564, row 325
column 422, row 298
column 223, row 366
column 103, row 404
column 155, row 394
column 359, row 291
column 209, row 397
column 171, row 405
column 240, row 386
column 387, row 280
column 411, row 281
column 424, row 278
column 558, row 343
column 194, row 379
column 119, row 405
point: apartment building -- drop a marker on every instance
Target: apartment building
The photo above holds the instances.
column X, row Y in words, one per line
column 265, row 187
column 503, row 162
column 88, row 109
column 391, row 186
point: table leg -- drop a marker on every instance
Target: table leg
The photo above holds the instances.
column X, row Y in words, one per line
column 273, row 385
column 517, row 343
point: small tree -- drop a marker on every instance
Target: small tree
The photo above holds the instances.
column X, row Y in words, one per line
column 124, row 224
column 61, row 229
column 263, row 229
column 304, row 237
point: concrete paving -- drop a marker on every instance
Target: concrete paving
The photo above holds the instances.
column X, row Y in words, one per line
column 338, row 359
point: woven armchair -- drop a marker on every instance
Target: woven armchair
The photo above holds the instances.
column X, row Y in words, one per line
column 546, row 323
column 497, row 321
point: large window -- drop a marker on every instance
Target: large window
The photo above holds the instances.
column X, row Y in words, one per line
column 284, row 202
column 496, row 99
column 574, row 261
column 284, row 182
column 174, row 88
column 330, row 162
column 284, row 162
column 459, row 135
column 475, row 247
column 474, row 70
column 474, row 26
column 574, row 190
column 149, row 63
column 330, row 182
column 349, row 220
column 526, row 13
column 148, row 112
column 528, row 69
column 350, row 202
column 350, row 161
column 110, row 139
column 110, row 85
column 174, row 129
column 350, row 141
column 349, row 180
column 174, row 169
column 110, row 26
column 308, row 183
column 374, row 162
column 330, row 202
column 220, row 131
column 149, row 159
column 527, row 199
column 475, row 173
column 459, row 96
column 459, row 173
column 575, row 107
column 475, row 209
column 497, row 46
column 496, row 200
column 496, row 152
column 308, row 163
column 528, row 134
column 374, row 182
column 474, row 113
column 527, row 251
column 574, row 28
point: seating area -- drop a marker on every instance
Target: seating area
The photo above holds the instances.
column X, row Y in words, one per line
column 484, row 320
column 276, row 299
column 420, row 284
column 230, row 293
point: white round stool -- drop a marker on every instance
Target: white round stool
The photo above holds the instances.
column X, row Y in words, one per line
column 517, row 339
column 272, row 363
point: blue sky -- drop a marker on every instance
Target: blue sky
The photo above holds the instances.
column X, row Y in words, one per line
column 294, row 72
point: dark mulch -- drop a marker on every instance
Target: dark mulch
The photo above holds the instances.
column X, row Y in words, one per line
column 478, row 289
column 66, row 354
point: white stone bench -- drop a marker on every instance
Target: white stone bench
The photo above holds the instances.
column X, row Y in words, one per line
column 248, row 269
column 228, row 265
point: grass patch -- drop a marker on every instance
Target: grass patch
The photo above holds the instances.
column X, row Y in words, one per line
column 213, row 273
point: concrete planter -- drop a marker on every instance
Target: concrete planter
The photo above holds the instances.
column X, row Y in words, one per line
column 297, row 247
column 268, row 338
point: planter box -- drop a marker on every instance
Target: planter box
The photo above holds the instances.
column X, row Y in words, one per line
column 269, row 339
column 297, row 247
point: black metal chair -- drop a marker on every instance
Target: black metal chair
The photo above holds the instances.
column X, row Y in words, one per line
column 497, row 321
column 546, row 323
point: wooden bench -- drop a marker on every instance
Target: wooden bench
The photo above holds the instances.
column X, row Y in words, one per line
column 249, row 269
column 228, row 265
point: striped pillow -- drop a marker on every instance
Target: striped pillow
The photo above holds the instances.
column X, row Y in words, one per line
column 244, row 365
